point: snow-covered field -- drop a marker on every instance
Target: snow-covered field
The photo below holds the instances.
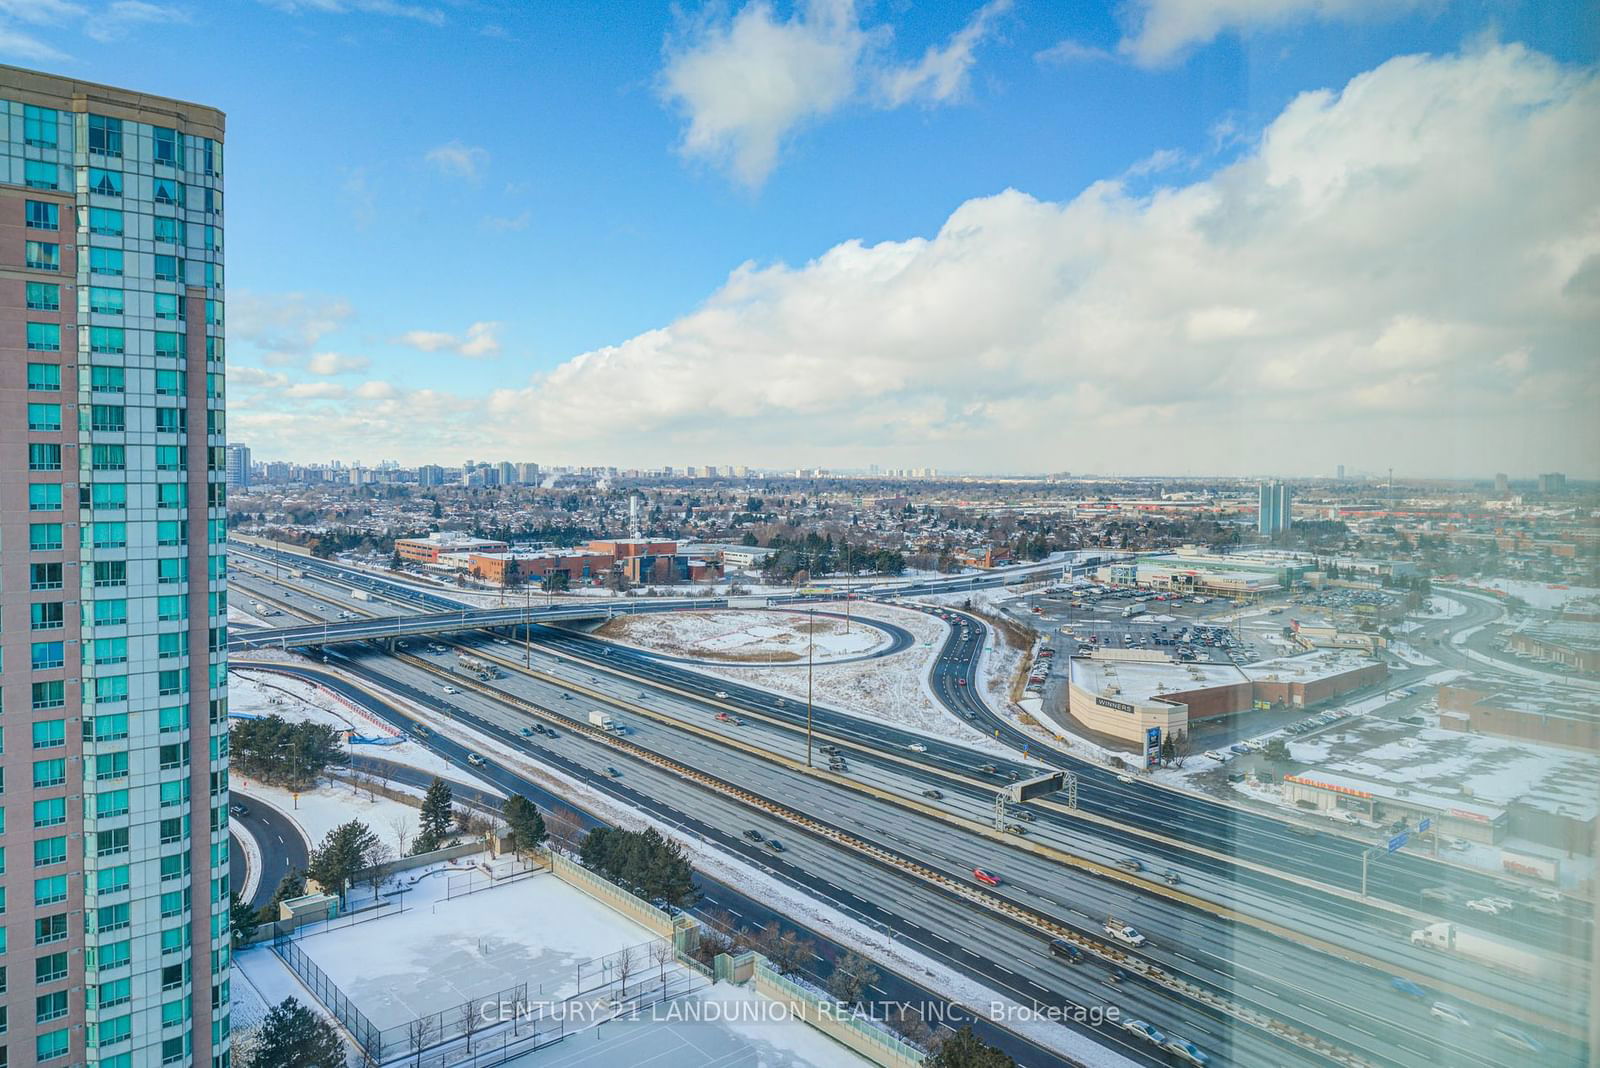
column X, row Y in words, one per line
column 1549, row 597
column 328, row 804
column 1441, row 607
column 746, row 636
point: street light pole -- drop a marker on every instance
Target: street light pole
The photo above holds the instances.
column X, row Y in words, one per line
column 811, row 637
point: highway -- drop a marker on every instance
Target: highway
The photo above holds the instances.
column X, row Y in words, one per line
column 1223, row 943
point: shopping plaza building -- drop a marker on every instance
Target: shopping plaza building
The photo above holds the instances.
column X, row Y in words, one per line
column 113, row 598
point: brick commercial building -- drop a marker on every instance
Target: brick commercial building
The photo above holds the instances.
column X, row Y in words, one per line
column 644, row 562
column 113, row 518
column 512, row 567
column 428, row 550
column 1549, row 719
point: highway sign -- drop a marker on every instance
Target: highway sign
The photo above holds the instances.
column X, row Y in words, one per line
column 1398, row 841
column 1424, row 823
column 1028, row 789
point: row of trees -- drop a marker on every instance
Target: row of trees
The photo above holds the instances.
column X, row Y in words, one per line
column 284, row 753
column 644, row 862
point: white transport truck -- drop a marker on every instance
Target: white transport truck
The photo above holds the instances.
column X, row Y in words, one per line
column 602, row 720
column 1485, row 949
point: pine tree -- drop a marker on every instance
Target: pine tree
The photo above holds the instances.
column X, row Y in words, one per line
column 437, row 814
column 343, row 853
column 525, row 824
column 292, row 1036
column 242, row 918
column 291, row 885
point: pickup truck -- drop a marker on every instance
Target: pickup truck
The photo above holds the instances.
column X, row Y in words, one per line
column 1127, row 934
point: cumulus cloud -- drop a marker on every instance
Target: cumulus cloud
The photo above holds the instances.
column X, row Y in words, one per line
column 459, row 160
column 746, row 83
column 1161, row 30
column 123, row 15
column 1402, row 267
column 480, row 341
column 336, row 363
column 285, row 327
column 942, row 73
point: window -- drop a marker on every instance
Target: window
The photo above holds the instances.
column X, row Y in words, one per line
column 115, row 992
column 105, row 135
column 105, row 261
column 51, row 1044
column 50, row 929
column 167, row 191
column 168, row 306
column 47, row 655
column 39, row 175
column 173, row 902
column 108, row 535
column 44, row 497
column 44, row 417
column 111, row 690
column 108, row 457
column 110, row 612
column 46, row 616
column 44, row 537
column 169, row 344
column 111, row 803
column 104, row 300
column 43, row 215
column 49, row 851
column 44, row 576
column 40, row 126
column 45, row 695
column 168, row 145
column 173, row 829
column 44, row 337
column 43, row 296
column 172, row 569
column 172, row 532
column 174, row 756
column 107, row 727
column 212, row 154
column 108, row 766
column 107, row 379
column 105, row 183
column 172, row 608
column 110, row 573
column 108, row 495
column 173, row 867
column 171, row 495
column 49, row 734
column 48, row 891
column 168, row 268
column 50, row 813
column 44, row 377
column 169, row 230
column 44, row 457
column 49, row 1007
column 169, row 383
column 107, row 417
column 107, row 340
column 172, row 682
column 111, row 917
column 42, row 255
column 107, row 222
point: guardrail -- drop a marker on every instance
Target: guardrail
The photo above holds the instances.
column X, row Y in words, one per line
column 867, row 1039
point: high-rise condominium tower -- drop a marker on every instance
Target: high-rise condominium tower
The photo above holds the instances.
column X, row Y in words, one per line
column 1272, row 511
column 113, row 603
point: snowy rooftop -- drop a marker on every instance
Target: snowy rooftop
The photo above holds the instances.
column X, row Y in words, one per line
column 1144, row 681
column 1306, row 667
column 1390, row 792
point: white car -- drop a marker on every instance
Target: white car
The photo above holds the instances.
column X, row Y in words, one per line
column 1484, row 905
column 1518, row 1040
column 1125, row 778
column 1545, row 893
column 451, row 689
column 721, row 695
column 917, row 747
column 1450, row 1014
column 1144, row 1031
column 1185, row 1050
column 1504, row 904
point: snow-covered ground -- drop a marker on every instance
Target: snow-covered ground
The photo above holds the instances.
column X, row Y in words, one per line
column 1411, row 655
column 746, row 636
column 325, row 806
column 891, row 689
column 1547, row 596
column 841, row 927
column 1441, row 607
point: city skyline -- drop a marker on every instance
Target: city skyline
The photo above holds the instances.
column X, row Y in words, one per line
column 1144, row 224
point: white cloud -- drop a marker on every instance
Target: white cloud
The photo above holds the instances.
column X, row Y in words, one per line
column 15, row 44
column 1403, row 268
column 286, row 324
column 419, row 12
column 459, row 160
column 41, row 12
column 121, row 16
column 942, row 73
column 745, row 84
column 336, row 363
column 1070, row 51
column 480, row 341
column 1161, row 30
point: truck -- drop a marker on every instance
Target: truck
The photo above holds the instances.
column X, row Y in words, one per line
column 1124, row 933
column 1486, row 949
column 360, row 595
column 602, row 720
column 1133, row 610
column 471, row 663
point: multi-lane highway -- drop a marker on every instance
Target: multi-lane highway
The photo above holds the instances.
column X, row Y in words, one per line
column 1227, row 950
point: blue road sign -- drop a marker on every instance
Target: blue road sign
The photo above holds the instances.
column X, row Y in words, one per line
column 1398, row 841
column 1423, row 824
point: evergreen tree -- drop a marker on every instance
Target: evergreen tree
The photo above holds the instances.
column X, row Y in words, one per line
column 966, row 1050
column 343, row 853
column 242, row 918
column 525, row 824
column 1169, row 750
column 437, row 814
column 291, row 885
column 292, row 1036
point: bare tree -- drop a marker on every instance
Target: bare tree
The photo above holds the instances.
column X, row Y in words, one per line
column 564, row 826
column 626, row 963
column 377, row 855
column 403, row 827
column 1182, row 746
column 470, row 1022
column 420, row 1033
column 660, row 954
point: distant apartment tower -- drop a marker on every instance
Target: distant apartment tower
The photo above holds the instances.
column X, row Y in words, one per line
column 1272, row 509
column 430, row 475
column 113, row 515
column 1340, row 475
column 1553, row 484
column 528, row 474
column 238, row 467
column 1502, row 482
column 507, row 472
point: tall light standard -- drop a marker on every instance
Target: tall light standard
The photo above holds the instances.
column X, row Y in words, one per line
column 811, row 638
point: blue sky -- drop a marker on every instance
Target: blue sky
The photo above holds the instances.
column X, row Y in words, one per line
column 437, row 208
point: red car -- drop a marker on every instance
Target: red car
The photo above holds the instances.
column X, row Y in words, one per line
column 985, row 877
column 961, row 682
